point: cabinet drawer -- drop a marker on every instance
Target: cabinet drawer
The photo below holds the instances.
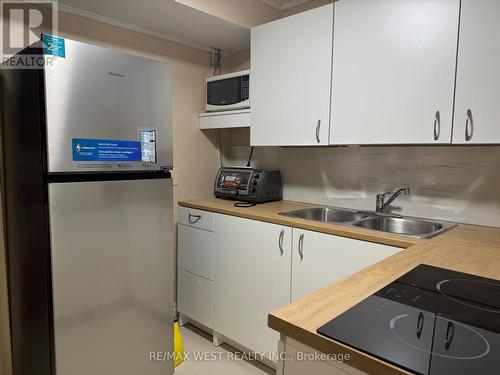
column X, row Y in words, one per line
column 196, row 251
column 194, row 297
column 196, row 218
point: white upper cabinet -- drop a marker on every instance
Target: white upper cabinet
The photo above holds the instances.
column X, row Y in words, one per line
column 394, row 71
column 291, row 79
column 477, row 109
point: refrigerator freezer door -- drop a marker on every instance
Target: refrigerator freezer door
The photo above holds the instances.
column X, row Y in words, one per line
column 95, row 93
column 112, row 276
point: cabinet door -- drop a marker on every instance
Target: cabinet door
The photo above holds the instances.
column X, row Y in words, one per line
column 252, row 278
column 393, row 70
column 320, row 259
column 478, row 74
column 194, row 297
column 291, row 79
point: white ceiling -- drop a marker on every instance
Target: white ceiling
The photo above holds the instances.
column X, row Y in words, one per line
column 165, row 19
column 284, row 4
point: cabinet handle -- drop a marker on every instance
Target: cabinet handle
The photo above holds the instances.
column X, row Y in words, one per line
column 469, row 124
column 301, row 246
column 318, row 125
column 437, row 125
column 193, row 218
column 450, row 330
column 280, row 241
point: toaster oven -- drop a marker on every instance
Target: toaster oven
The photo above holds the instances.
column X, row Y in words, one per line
column 248, row 184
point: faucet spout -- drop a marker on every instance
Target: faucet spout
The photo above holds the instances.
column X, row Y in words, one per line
column 382, row 203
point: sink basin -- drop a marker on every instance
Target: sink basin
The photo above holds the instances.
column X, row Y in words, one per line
column 409, row 227
column 371, row 220
column 326, row 215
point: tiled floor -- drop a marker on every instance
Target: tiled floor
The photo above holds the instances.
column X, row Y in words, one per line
column 196, row 341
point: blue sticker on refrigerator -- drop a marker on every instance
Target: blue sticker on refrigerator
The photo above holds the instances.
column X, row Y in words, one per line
column 109, row 150
column 53, row 45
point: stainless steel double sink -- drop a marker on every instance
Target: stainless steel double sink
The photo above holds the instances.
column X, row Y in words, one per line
column 372, row 220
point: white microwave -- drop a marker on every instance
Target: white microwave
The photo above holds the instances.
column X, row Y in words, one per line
column 228, row 91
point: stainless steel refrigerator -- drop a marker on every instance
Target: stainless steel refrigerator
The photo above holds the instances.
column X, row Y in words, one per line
column 87, row 192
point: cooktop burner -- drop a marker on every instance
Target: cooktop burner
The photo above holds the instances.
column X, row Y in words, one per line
column 478, row 294
column 429, row 321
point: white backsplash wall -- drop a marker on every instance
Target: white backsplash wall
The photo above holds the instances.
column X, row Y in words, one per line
column 455, row 183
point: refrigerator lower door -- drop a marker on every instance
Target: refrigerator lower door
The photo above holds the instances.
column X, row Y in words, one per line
column 112, row 265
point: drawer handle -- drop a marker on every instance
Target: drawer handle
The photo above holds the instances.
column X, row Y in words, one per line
column 280, row 241
column 301, row 246
column 193, row 218
column 437, row 125
column 469, row 124
column 318, row 125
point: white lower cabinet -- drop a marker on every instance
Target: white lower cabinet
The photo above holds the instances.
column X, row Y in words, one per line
column 233, row 275
column 194, row 297
column 252, row 278
column 320, row 259
column 195, row 265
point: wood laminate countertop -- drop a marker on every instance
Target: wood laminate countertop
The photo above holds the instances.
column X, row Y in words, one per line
column 269, row 212
column 465, row 248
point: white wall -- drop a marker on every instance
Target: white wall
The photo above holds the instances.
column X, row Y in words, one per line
column 238, row 61
column 456, row 183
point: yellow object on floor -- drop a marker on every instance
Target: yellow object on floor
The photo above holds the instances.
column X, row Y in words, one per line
column 178, row 347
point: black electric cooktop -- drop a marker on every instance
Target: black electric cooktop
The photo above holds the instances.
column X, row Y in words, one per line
column 429, row 321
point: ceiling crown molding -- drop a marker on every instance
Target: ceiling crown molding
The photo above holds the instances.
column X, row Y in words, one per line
column 129, row 26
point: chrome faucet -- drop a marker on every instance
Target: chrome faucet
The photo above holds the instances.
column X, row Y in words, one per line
column 382, row 203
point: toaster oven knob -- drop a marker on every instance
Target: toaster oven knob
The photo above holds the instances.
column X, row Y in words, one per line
column 254, row 183
column 256, row 175
column 253, row 190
